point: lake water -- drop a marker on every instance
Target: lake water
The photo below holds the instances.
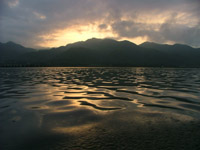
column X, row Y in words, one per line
column 99, row 108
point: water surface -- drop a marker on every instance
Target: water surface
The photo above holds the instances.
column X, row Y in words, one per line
column 103, row 108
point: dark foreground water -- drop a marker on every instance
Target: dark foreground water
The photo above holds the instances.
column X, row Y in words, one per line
column 99, row 108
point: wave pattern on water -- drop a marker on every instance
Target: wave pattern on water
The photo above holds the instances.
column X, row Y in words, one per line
column 99, row 108
column 101, row 89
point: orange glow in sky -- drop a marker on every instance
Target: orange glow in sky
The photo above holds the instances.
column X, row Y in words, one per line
column 74, row 34
column 81, row 33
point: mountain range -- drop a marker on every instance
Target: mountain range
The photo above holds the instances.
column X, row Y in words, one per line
column 102, row 52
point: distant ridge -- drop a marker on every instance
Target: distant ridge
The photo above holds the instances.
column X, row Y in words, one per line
column 164, row 46
column 102, row 52
column 11, row 52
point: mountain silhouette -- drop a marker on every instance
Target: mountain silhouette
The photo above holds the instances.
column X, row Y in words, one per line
column 10, row 52
column 177, row 54
column 102, row 52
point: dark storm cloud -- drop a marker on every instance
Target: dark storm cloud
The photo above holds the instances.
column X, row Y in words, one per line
column 26, row 21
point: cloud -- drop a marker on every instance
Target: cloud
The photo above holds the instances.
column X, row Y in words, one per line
column 30, row 22
column 171, row 30
column 103, row 26
column 13, row 3
column 39, row 16
column 181, row 33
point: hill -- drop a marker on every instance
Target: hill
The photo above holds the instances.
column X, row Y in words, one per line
column 102, row 52
column 10, row 52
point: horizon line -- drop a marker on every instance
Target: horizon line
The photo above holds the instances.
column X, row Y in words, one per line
column 45, row 48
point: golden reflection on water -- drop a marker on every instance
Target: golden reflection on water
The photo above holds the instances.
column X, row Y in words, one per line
column 99, row 101
column 74, row 129
column 135, row 101
column 100, row 90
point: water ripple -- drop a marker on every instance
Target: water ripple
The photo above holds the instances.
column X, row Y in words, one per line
column 166, row 89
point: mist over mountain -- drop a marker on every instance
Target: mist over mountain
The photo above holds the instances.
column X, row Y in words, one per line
column 102, row 52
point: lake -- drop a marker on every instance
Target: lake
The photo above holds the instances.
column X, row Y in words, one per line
column 99, row 108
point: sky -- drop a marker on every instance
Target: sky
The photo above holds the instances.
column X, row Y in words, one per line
column 53, row 23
